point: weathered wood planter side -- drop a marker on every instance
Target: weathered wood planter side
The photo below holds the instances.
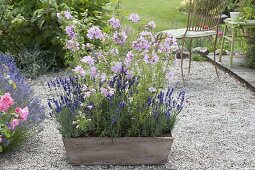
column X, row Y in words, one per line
column 122, row 151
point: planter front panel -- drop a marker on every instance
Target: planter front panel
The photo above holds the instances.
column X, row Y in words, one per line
column 122, row 151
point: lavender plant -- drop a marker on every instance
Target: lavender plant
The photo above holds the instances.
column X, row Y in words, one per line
column 120, row 88
column 11, row 81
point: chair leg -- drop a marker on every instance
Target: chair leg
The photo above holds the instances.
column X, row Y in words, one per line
column 232, row 46
column 190, row 52
column 222, row 42
column 181, row 53
column 214, row 55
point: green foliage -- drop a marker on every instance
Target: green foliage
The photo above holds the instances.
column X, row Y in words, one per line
column 247, row 8
column 198, row 58
column 29, row 24
column 34, row 62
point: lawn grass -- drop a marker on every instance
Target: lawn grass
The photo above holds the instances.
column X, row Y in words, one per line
column 163, row 12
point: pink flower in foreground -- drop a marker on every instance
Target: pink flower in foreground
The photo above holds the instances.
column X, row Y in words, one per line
column 117, row 68
column 134, row 17
column 23, row 113
column 1, row 139
column 129, row 75
column 151, row 25
column 79, row 70
column 88, row 59
column 120, row 37
column 72, row 45
column 103, row 77
column 152, row 89
column 93, row 71
column 14, row 123
column 68, row 15
column 95, row 33
column 6, row 102
column 107, row 92
column 128, row 59
column 70, row 31
column 114, row 22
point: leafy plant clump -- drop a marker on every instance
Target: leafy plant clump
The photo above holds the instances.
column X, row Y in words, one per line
column 247, row 8
column 120, row 87
column 20, row 124
column 34, row 24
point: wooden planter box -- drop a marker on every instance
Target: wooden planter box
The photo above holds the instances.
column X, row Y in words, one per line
column 122, row 151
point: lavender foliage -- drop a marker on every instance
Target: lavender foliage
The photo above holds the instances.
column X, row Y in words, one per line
column 22, row 94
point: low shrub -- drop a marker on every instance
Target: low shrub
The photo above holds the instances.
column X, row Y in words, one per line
column 13, row 83
column 34, row 24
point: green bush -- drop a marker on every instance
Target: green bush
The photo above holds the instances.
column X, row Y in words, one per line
column 247, row 7
column 29, row 24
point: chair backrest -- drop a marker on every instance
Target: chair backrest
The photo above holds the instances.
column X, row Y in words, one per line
column 204, row 14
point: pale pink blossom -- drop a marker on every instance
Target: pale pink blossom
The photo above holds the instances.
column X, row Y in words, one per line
column 95, row 33
column 107, row 92
column 68, row 15
column 129, row 75
column 23, row 113
column 151, row 25
column 120, row 37
column 114, row 22
column 134, row 17
column 14, row 123
column 72, row 45
column 93, row 71
column 89, row 60
column 6, row 102
column 117, row 67
column 128, row 58
column 103, row 77
column 79, row 70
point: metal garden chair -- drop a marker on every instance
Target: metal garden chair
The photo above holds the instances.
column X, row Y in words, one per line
column 203, row 21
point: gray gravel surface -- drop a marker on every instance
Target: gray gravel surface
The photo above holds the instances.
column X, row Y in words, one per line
column 216, row 132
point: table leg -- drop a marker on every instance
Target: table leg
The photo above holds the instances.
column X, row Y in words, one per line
column 232, row 45
column 222, row 42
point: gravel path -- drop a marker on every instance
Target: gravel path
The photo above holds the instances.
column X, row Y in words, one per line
column 217, row 131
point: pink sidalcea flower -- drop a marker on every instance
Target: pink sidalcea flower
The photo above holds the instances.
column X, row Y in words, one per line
column 117, row 67
column 134, row 17
column 72, row 45
column 114, row 22
column 120, row 37
column 68, row 15
column 93, row 71
column 89, row 60
column 95, row 33
column 107, row 92
column 79, row 70
column 23, row 113
column 6, row 102
column 70, row 31
column 14, row 123
column 151, row 25
column 103, row 77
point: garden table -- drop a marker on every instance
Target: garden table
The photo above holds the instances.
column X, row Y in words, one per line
column 234, row 26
